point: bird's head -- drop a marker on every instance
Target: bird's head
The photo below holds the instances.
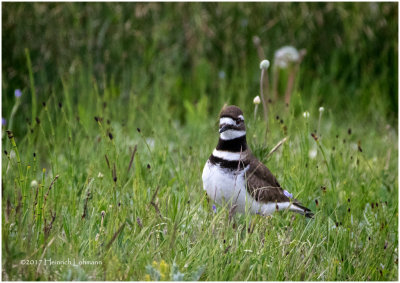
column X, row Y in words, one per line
column 231, row 123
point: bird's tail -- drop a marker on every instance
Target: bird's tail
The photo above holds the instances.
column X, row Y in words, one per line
column 299, row 208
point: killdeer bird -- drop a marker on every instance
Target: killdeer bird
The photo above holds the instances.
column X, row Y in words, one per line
column 234, row 176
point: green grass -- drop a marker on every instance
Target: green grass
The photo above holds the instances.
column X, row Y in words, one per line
column 157, row 220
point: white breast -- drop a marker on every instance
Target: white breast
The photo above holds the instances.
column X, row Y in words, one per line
column 225, row 186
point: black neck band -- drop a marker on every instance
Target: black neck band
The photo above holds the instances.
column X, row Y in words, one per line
column 235, row 145
column 228, row 164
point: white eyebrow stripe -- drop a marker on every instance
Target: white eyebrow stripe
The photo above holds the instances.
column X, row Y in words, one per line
column 227, row 120
column 226, row 155
column 241, row 117
column 232, row 134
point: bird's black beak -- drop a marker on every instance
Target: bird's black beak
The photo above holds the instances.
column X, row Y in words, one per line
column 223, row 128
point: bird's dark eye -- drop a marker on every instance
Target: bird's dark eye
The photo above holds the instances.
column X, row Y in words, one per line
column 238, row 122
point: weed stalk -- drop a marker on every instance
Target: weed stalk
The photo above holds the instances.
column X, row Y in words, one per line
column 15, row 148
column 32, row 83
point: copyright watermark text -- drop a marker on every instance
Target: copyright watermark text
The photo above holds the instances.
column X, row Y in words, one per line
column 68, row 261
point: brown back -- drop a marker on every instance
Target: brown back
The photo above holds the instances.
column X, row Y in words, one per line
column 262, row 184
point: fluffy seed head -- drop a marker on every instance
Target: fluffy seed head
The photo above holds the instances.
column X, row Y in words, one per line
column 264, row 64
column 286, row 55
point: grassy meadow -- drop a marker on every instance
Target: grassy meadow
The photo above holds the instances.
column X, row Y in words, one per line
column 110, row 112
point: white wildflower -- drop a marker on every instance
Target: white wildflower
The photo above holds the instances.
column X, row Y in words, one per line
column 306, row 114
column 286, row 55
column 264, row 64
column 150, row 142
column 312, row 153
column 321, row 110
column 256, row 101
column 256, row 40
column 12, row 154
column 34, row 184
column 100, row 175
